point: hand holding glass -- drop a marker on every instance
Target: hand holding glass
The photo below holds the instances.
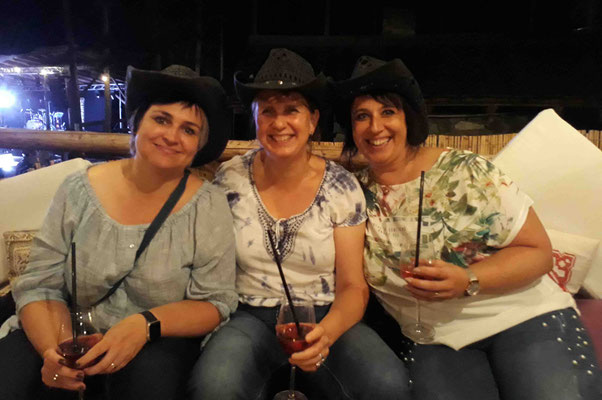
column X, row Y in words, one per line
column 418, row 331
column 292, row 337
column 77, row 335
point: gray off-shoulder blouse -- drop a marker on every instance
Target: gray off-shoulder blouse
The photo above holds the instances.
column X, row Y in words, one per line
column 192, row 256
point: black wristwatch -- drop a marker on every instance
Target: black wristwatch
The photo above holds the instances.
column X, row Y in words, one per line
column 153, row 326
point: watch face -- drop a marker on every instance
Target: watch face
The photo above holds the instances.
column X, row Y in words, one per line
column 473, row 288
column 154, row 330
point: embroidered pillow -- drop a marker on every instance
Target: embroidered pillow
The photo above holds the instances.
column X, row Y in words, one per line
column 18, row 245
column 573, row 255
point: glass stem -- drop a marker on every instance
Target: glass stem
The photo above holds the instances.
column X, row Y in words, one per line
column 291, row 383
column 418, row 311
column 80, row 394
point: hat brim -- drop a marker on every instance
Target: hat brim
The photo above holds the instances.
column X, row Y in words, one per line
column 315, row 90
column 148, row 86
column 390, row 77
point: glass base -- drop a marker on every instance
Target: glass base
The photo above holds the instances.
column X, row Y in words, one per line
column 419, row 333
column 290, row 395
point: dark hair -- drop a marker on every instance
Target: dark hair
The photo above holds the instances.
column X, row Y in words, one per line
column 138, row 114
column 416, row 121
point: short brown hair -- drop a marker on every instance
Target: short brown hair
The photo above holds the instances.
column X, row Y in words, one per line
column 138, row 115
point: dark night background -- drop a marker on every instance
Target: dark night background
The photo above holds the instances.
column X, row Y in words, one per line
column 514, row 56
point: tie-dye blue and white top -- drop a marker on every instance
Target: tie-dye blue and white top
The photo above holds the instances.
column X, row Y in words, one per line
column 305, row 241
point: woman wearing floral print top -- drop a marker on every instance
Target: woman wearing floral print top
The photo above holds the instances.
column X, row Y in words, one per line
column 315, row 210
column 504, row 333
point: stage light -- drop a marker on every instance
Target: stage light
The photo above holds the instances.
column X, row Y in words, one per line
column 7, row 99
column 7, row 162
column 104, row 78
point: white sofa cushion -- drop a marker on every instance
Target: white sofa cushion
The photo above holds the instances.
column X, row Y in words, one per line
column 562, row 172
column 24, row 200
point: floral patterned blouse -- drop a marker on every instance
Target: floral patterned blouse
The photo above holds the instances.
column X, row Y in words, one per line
column 304, row 241
column 470, row 210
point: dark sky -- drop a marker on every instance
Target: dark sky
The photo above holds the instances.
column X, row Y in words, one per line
column 479, row 48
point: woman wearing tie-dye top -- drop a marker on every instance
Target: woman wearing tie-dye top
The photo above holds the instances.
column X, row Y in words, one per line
column 315, row 211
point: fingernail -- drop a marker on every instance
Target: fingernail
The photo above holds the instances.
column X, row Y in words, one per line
column 80, row 376
column 77, row 365
column 62, row 361
column 409, row 280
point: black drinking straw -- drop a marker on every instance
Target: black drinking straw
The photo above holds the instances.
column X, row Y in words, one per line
column 74, row 294
column 288, row 294
column 419, row 218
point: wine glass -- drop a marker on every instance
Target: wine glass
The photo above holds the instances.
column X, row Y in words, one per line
column 292, row 336
column 77, row 335
column 419, row 332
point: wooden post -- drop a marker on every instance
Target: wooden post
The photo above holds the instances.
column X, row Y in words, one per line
column 107, row 81
column 120, row 115
column 198, row 51
column 221, row 49
column 47, row 102
column 106, row 58
column 74, row 111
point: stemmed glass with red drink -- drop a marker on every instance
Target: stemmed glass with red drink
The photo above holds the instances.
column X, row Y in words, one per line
column 419, row 332
column 292, row 336
column 77, row 335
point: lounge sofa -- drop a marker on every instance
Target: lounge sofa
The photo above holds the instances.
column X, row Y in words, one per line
column 564, row 193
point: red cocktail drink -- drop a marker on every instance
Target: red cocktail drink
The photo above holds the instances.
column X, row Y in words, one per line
column 291, row 340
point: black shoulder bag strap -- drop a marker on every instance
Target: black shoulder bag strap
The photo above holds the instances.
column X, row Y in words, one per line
column 152, row 229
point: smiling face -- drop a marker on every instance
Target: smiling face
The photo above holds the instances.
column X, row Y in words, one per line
column 169, row 135
column 379, row 131
column 284, row 122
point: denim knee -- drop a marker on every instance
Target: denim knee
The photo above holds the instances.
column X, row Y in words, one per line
column 159, row 371
column 20, row 365
column 547, row 357
column 237, row 361
column 366, row 368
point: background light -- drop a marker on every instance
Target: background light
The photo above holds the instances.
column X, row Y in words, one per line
column 7, row 162
column 104, row 78
column 7, row 99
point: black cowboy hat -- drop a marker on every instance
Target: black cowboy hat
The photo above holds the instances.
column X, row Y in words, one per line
column 179, row 83
column 373, row 75
column 283, row 70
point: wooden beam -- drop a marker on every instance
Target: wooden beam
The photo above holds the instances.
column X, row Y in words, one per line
column 118, row 144
column 114, row 144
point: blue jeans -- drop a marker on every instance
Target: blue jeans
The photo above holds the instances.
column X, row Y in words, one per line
column 242, row 358
column 549, row 357
column 159, row 371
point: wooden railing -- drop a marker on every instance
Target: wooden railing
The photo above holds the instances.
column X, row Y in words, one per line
column 117, row 144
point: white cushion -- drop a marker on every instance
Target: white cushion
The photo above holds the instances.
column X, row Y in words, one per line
column 573, row 256
column 25, row 199
column 562, row 172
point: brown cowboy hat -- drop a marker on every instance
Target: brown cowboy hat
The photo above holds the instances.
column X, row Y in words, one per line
column 179, row 83
column 283, row 70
